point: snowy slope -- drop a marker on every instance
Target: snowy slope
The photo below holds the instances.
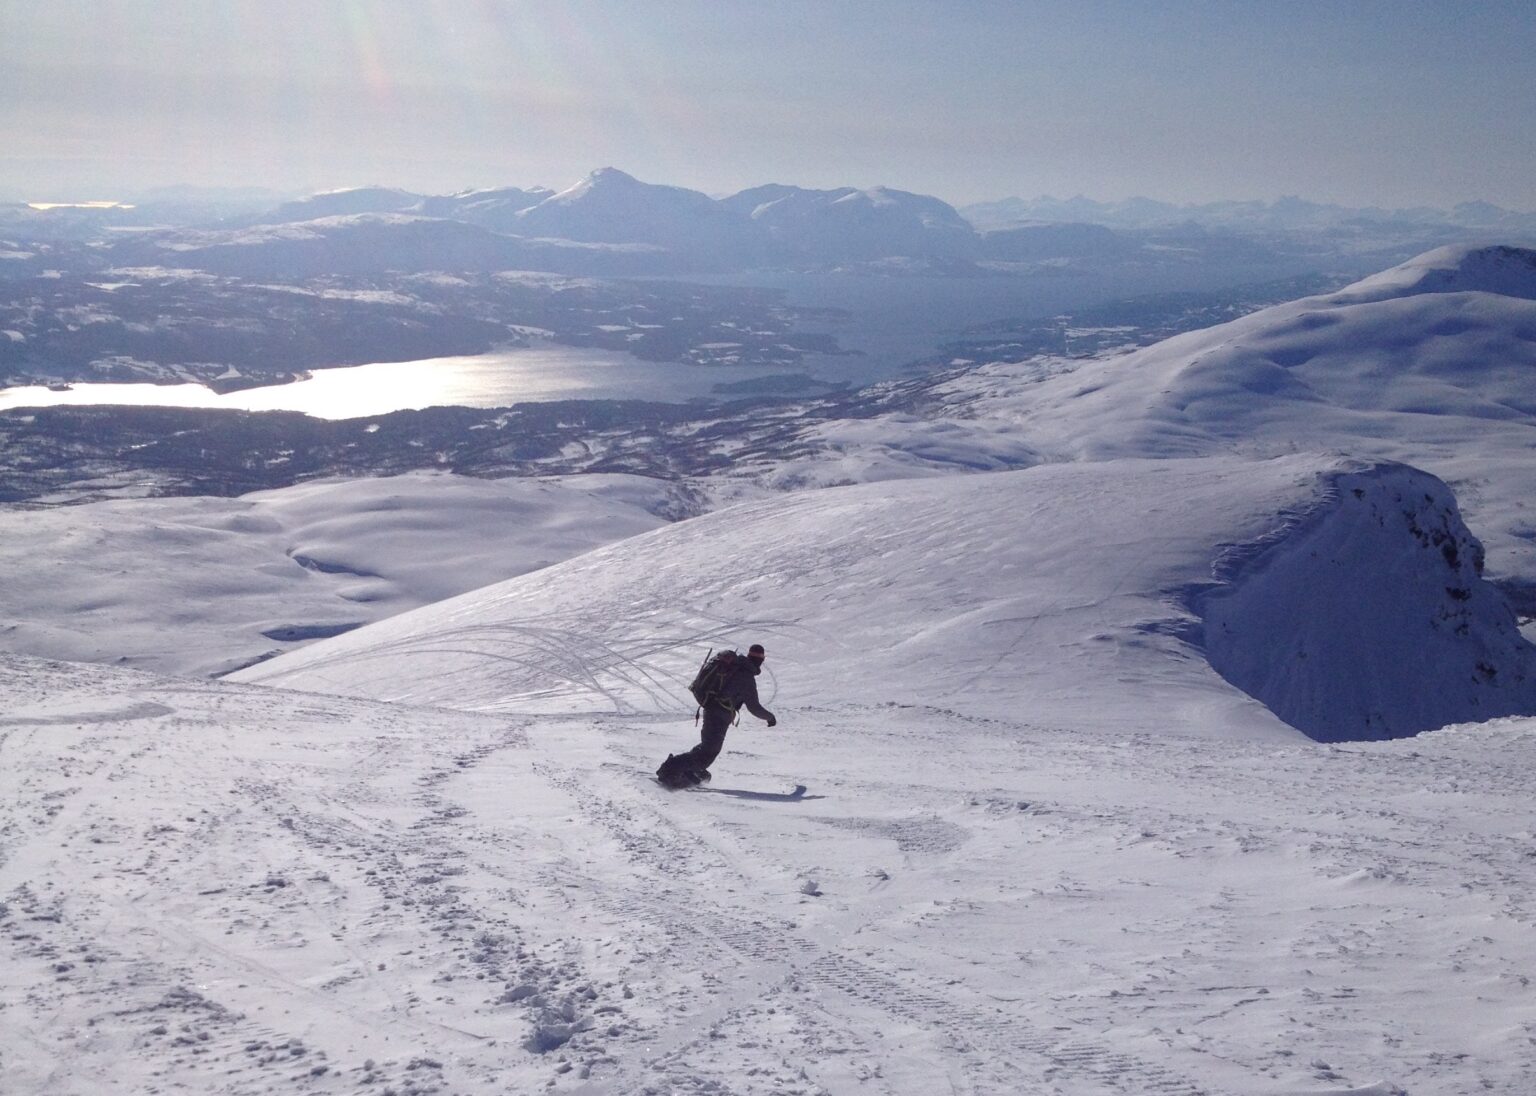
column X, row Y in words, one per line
column 227, row 890
column 1328, row 588
column 202, row 585
column 1368, row 618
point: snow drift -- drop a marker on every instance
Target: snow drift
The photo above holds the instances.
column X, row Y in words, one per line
column 1031, row 590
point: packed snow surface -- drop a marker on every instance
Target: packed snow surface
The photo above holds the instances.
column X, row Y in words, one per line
column 227, row 889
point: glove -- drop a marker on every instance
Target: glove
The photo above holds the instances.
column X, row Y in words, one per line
column 771, row 719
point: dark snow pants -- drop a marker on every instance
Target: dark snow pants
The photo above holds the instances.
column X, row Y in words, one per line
column 717, row 720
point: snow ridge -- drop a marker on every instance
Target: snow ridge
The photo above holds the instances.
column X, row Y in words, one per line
column 1507, row 271
column 1367, row 617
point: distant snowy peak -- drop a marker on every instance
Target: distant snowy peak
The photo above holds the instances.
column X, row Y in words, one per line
column 1506, row 271
column 852, row 224
column 606, row 183
column 510, row 195
column 611, row 206
column 776, row 200
column 768, row 222
column 340, row 203
column 903, row 207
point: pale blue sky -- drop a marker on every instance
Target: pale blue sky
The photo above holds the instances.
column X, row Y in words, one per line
column 1362, row 102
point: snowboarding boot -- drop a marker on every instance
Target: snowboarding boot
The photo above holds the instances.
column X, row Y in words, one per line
column 675, row 772
column 672, row 774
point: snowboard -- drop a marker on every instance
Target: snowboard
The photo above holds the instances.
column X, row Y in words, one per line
column 797, row 792
column 675, row 787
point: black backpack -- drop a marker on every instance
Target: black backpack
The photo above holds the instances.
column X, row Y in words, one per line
column 713, row 671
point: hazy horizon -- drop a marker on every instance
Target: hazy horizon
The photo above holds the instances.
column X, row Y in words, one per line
column 1371, row 104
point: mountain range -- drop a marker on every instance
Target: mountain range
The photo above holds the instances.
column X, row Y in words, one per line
column 591, row 227
column 612, row 223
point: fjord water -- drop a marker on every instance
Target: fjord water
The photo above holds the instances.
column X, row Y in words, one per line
column 885, row 326
column 498, row 379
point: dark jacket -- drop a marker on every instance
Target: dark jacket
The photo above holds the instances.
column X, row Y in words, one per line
column 739, row 689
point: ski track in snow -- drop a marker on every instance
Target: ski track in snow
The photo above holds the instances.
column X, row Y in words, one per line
column 218, row 888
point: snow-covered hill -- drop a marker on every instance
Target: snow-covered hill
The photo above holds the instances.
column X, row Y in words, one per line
column 494, row 208
column 610, row 206
column 1432, row 363
column 1346, row 598
column 201, row 586
column 1500, row 270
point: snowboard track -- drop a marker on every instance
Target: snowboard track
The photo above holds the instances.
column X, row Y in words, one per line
column 998, row 1049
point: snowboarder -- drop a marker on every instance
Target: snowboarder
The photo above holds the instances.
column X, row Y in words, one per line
column 737, row 688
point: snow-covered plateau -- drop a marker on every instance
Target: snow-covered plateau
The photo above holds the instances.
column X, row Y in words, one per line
column 1183, row 751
